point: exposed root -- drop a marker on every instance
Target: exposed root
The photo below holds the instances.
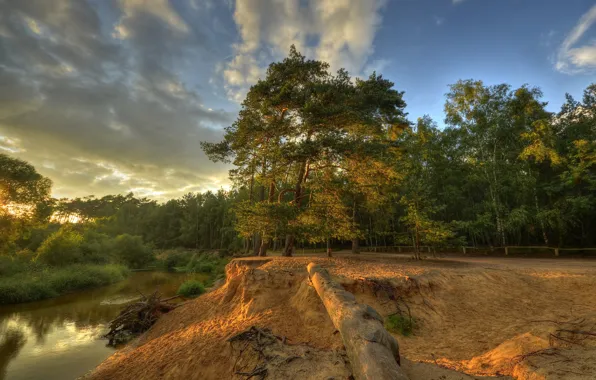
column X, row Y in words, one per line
column 138, row 317
column 255, row 339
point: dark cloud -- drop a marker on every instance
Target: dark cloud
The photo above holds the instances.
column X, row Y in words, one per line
column 100, row 96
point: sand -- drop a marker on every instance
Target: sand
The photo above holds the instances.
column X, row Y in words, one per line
column 475, row 318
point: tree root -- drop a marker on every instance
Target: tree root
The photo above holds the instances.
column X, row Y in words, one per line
column 138, row 317
column 255, row 339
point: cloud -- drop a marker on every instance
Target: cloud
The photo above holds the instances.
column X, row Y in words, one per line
column 571, row 58
column 340, row 32
column 102, row 97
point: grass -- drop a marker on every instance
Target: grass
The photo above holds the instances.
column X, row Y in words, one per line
column 52, row 282
column 191, row 288
column 400, row 324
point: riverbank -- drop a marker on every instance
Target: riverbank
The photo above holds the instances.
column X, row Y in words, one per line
column 48, row 282
column 473, row 320
column 62, row 337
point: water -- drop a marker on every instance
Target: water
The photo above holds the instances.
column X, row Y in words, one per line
column 61, row 338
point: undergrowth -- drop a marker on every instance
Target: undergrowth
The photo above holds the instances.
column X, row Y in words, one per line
column 47, row 282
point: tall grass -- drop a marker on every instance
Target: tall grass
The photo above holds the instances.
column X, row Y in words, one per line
column 51, row 282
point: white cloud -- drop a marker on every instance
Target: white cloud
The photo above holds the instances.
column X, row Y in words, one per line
column 573, row 59
column 340, row 32
column 157, row 8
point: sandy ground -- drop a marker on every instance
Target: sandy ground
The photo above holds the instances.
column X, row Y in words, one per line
column 493, row 317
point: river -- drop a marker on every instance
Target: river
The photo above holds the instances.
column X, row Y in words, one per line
column 61, row 338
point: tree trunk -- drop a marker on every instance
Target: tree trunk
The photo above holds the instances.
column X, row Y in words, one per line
column 257, row 244
column 355, row 241
column 302, row 174
column 355, row 245
column 373, row 352
column 264, row 247
column 328, row 249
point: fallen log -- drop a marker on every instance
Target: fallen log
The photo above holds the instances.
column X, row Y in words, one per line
column 373, row 352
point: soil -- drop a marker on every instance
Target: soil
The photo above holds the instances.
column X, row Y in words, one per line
column 475, row 318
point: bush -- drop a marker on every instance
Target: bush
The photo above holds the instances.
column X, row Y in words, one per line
column 11, row 265
column 400, row 325
column 206, row 267
column 206, row 263
column 131, row 250
column 191, row 288
column 48, row 283
column 176, row 259
column 61, row 248
column 96, row 247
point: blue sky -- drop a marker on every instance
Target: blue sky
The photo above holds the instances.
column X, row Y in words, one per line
column 115, row 96
column 430, row 44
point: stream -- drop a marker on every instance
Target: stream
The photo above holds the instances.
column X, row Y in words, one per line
column 61, row 338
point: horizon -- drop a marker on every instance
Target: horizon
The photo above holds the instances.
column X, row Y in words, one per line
column 114, row 97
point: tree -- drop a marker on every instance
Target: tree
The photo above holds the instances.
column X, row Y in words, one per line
column 23, row 199
column 20, row 183
column 299, row 122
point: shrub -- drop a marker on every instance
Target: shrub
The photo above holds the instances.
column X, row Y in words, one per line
column 400, row 324
column 206, row 263
column 11, row 265
column 176, row 259
column 206, row 268
column 96, row 247
column 33, row 286
column 191, row 288
column 61, row 248
column 131, row 250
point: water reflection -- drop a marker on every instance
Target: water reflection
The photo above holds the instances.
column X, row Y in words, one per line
column 60, row 338
column 10, row 344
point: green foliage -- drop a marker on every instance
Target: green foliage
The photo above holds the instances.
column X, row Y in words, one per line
column 322, row 157
column 191, row 288
column 61, row 248
column 96, row 248
column 131, row 250
column 174, row 259
column 400, row 324
column 207, row 263
column 302, row 124
column 51, row 282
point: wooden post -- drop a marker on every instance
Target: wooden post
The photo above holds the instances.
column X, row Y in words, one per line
column 464, row 249
column 506, row 251
column 557, row 251
column 373, row 352
column 398, row 249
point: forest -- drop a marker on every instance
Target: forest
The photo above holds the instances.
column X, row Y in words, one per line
column 324, row 158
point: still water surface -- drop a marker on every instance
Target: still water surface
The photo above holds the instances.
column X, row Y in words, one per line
column 61, row 338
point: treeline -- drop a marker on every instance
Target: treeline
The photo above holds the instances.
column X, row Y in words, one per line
column 329, row 158
column 323, row 158
column 52, row 246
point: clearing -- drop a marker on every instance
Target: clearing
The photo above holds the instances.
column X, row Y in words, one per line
column 475, row 318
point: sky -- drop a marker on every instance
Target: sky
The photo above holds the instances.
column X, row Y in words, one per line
column 114, row 96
